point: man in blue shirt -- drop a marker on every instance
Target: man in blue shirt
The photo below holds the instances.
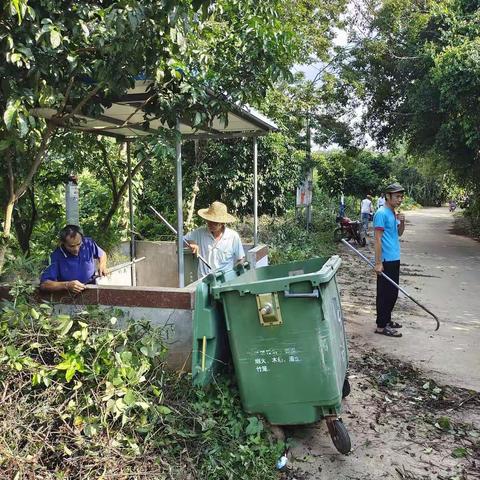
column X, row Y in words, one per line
column 72, row 264
column 389, row 226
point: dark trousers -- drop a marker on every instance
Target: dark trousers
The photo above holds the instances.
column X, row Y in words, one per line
column 387, row 294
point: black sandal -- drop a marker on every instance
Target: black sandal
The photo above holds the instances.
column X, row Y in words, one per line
column 395, row 325
column 389, row 332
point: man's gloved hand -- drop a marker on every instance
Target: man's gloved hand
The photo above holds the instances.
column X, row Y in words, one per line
column 74, row 286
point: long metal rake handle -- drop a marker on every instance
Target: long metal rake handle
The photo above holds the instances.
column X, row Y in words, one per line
column 172, row 228
column 361, row 255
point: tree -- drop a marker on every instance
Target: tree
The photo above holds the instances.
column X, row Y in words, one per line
column 78, row 59
column 353, row 173
column 72, row 60
column 417, row 68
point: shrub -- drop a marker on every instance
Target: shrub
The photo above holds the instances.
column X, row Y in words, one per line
column 82, row 397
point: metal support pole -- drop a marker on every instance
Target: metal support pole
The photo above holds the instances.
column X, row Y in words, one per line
column 309, row 174
column 130, row 211
column 255, row 192
column 178, row 178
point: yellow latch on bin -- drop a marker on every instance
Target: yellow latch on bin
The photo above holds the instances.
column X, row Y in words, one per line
column 269, row 309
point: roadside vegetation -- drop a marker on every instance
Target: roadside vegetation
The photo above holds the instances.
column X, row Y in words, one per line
column 88, row 395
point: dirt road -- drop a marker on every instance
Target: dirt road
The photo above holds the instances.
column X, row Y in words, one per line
column 414, row 410
column 442, row 271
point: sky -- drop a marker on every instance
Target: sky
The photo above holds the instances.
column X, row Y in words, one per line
column 311, row 70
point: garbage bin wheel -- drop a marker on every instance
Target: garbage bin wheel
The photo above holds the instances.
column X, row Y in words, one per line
column 338, row 234
column 346, row 388
column 340, row 437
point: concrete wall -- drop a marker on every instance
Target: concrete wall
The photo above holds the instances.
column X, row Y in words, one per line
column 166, row 306
column 176, row 325
column 123, row 276
column 160, row 266
column 169, row 308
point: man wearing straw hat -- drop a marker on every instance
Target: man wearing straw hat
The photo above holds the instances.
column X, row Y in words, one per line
column 218, row 244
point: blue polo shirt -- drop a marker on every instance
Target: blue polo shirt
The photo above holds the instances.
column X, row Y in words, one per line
column 386, row 220
column 65, row 267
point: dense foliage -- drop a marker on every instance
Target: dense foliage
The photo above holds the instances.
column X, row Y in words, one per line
column 78, row 60
column 416, row 65
column 82, row 396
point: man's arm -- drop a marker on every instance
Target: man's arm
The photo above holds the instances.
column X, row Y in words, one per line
column 102, row 265
column 49, row 281
column 194, row 247
column 239, row 251
column 401, row 225
column 240, row 261
column 378, row 250
column 100, row 255
column 73, row 286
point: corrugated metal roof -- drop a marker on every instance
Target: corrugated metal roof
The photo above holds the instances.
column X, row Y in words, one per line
column 125, row 118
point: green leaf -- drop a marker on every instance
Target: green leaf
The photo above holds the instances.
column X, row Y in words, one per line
column 444, row 423
column 163, row 410
column 84, row 333
column 254, row 427
column 85, row 30
column 12, row 351
column 35, row 315
column 90, row 429
column 65, row 328
column 120, row 404
column 69, row 373
column 22, row 125
column 146, row 406
column 117, row 381
column 145, row 351
column 10, row 113
column 126, row 356
column 129, row 398
column 459, row 452
column 55, row 38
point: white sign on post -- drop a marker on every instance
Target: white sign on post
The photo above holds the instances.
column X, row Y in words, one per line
column 304, row 194
column 71, row 200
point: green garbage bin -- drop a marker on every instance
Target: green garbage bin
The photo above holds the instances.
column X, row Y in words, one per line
column 287, row 340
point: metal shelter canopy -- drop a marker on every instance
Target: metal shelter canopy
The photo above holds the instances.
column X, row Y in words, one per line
column 125, row 120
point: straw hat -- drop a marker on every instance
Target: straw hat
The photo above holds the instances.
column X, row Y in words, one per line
column 216, row 212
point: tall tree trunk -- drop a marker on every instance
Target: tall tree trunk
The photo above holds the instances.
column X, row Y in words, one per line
column 24, row 221
column 5, row 237
column 200, row 147
column 15, row 193
column 191, row 203
column 116, row 200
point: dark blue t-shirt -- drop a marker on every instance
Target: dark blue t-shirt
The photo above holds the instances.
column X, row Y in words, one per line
column 65, row 267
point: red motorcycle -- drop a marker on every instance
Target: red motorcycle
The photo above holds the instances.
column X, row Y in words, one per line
column 350, row 230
